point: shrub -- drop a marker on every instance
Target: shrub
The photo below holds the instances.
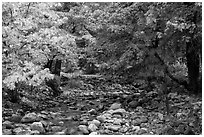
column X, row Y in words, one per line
column 26, row 79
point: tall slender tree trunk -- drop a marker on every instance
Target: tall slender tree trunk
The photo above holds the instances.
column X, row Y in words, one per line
column 193, row 64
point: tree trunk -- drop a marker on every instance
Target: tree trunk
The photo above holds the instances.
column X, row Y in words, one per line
column 54, row 66
column 193, row 65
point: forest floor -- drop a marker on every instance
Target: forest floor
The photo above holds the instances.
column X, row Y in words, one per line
column 94, row 105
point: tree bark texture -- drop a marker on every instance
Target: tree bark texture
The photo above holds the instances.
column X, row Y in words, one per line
column 193, row 65
column 54, row 66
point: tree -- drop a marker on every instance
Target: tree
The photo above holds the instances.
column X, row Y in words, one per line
column 151, row 30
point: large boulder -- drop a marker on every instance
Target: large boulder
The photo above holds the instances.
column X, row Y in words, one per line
column 30, row 117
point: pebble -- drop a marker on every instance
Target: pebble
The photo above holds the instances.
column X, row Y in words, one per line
column 133, row 104
column 107, row 115
column 181, row 128
column 92, row 112
column 20, row 125
column 38, row 126
column 93, row 133
column 136, row 122
column 43, row 116
column 44, row 112
column 143, row 119
column 45, row 124
column 60, row 133
column 142, row 131
column 161, row 116
column 24, row 132
column 84, row 122
column 115, row 106
column 7, row 124
column 114, row 127
column 17, row 130
column 61, row 123
column 124, row 129
column 117, row 121
column 95, row 122
column 92, row 127
column 15, row 118
column 140, row 109
column 83, row 129
column 101, row 118
column 56, row 128
column 6, row 132
column 35, row 132
column 135, row 128
column 119, row 111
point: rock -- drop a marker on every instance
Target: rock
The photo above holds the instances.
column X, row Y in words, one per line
column 60, row 133
column 117, row 116
column 142, row 131
column 139, row 109
column 7, row 124
column 44, row 112
column 84, row 122
column 143, row 119
column 161, row 116
column 181, row 128
column 114, row 127
column 189, row 131
column 109, row 121
column 92, row 112
column 54, row 114
column 117, row 121
column 61, row 123
column 169, row 131
column 136, row 122
column 144, row 125
column 37, row 126
column 179, row 114
column 115, row 106
column 83, row 129
column 21, row 125
column 106, row 131
column 17, row 130
column 95, row 122
column 6, row 132
column 70, row 131
column 45, row 124
column 24, row 132
column 43, row 116
column 56, row 128
column 15, row 118
column 140, row 120
column 135, row 128
column 124, row 129
column 35, row 132
column 101, row 118
column 92, row 127
column 133, row 104
column 107, row 115
column 69, row 118
column 30, row 117
column 93, row 133
column 110, row 111
column 119, row 111
column 152, row 93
